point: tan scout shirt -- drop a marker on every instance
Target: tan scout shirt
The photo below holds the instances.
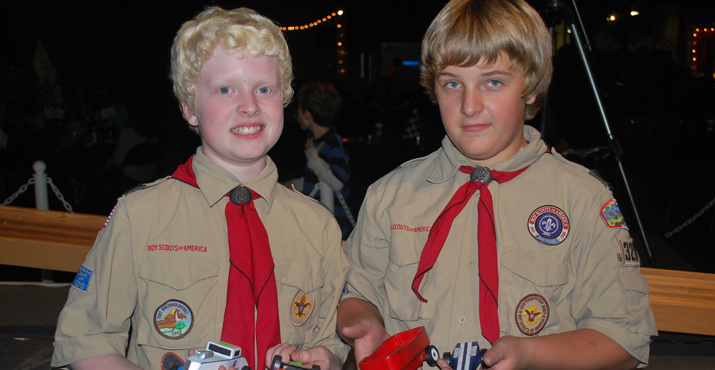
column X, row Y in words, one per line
column 160, row 268
column 561, row 267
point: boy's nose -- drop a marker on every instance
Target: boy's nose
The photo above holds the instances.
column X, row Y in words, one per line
column 472, row 102
column 248, row 105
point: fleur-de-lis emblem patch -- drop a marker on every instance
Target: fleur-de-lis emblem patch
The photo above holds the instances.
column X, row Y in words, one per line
column 549, row 225
column 301, row 307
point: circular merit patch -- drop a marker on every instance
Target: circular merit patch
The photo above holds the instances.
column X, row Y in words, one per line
column 531, row 314
column 173, row 319
column 301, row 307
column 549, row 225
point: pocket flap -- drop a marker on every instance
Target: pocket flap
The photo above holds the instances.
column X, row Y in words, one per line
column 539, row 268
column 183, row 275
column 304, row 275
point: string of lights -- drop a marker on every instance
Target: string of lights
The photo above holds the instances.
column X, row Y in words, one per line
column 316, row 23
column 701, row 44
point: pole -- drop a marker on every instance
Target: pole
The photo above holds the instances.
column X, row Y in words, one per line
column 40, row 176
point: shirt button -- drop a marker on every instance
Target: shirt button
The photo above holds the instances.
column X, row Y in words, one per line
column 461, row 320
column 470, row 263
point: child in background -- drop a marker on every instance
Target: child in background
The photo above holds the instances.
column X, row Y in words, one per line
column 327, row 162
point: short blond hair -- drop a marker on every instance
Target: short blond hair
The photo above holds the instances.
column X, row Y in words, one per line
column 238, row 28
column 466, row 32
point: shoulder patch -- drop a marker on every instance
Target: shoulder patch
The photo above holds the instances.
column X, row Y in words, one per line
column 611, row 214
column 628, row 255
column 82, row 279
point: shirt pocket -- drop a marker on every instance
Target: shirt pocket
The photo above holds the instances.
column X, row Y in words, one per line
column 405, row 252
column 636, row 291
column 541, row 269
column 179, row 297
column 299, row 285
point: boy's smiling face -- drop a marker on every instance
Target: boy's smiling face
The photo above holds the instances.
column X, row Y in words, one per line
column 482, row 109
column 238, row 107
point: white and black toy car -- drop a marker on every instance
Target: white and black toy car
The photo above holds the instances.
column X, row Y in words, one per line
column 466, row 356
column 215, row 355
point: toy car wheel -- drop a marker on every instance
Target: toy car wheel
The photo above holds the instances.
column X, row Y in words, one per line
column 277, row 362
column 315, row 367
column 432, row 355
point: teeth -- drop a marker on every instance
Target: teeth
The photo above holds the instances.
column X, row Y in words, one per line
column 246, row 130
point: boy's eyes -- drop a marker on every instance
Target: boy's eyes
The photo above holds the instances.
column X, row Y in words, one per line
column 494, row 83
column 455, row 84
column 263, row 90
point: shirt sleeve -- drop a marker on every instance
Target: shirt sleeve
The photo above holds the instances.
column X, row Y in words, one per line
column 367, row 250
column 95, row 320
column 335, row 267
column 610, row 295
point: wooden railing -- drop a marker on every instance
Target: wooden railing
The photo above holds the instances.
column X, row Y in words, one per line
column 682, row 301
column 46, row 240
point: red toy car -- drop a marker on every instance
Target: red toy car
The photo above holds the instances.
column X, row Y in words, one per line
column 403, row 351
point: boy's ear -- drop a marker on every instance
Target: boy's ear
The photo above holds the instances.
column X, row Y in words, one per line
column 189, row 115
column 531, row 99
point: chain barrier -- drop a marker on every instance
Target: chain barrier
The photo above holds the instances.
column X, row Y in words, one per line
column 690, row 220
column 23, row 188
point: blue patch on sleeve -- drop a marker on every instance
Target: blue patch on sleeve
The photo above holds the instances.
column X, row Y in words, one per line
column 81, row 281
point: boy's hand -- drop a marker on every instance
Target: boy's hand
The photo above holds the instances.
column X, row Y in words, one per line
column 310, row 145
column 319, row 355
column 505, row 354
column 366, row 335
column 442, row 364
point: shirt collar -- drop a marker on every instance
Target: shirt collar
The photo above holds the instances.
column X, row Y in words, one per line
column 449, row 158
column 215, row 182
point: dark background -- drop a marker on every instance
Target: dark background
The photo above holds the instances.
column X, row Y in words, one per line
column 116, row 54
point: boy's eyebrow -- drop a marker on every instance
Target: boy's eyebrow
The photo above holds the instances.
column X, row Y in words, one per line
column 497, row 72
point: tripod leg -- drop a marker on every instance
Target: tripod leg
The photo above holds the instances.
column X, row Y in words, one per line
column 614, row 144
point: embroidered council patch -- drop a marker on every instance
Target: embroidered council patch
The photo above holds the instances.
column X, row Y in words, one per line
column 302, row 307
column 173, row 319
column 629, row 255
column 611, row 214
column 81, row 280
column 549, row 225
column 531, row 314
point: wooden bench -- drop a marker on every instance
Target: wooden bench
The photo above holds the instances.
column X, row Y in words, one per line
column 46, row 240
column 682, row 301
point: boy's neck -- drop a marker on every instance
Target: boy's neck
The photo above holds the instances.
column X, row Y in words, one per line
column 319, row 131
